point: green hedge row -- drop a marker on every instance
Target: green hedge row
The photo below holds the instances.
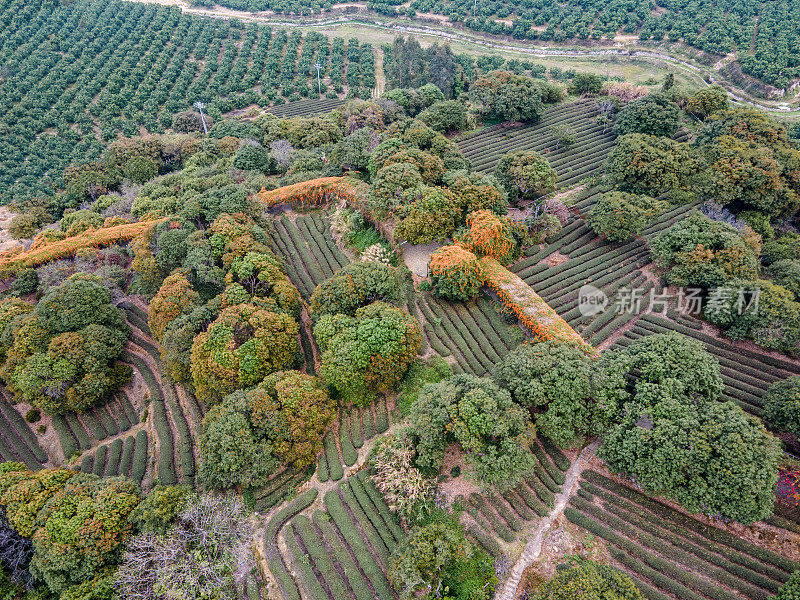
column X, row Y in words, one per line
column 114, row 457
column 318, row 556
column 69, row 444
column 294, row 268
column 132, row 414
column 506, row 513
column 484, row 539
column 78, row 430
column 12, row 449
column 342, row 556
column 324, row 227
column 318, row 241
column 100, row 457
column 372, row 514
column 308, row 353
column 575, row 275
column 467, row 350
column 435, row 341
column 109, row 425
column 184, row 436
column 707, row 531
column 531, row 499
column 185, row 441
column 781, row 523
column 667, row 567
column 497, row 324
column 327, row 265
column 371, row 533
column 297, row 276
column 349, row 453
column 278, row 494
column 322, row 467
column 534, row 481
column 519, row 505
column 684, row 544
column 308, row 580
column 500, row 527
column 273, row 555
column 663, row 545
column 332, row 456
column 381, row 415
column 476, row 324
column 137, row 316
column 140, row 456
column 87, row 464
column 554, row 472
column 356, row 435
column 498, row 139
column 119, row 415
column 126, row 458
column 734, row 556
column 16, row 422
column 391, row 522
column 757, row 362
column 166, row 458
column 661, row 580
column 367, row 422
column 310, row 264
column 366, row 560
column 556, row 455
column 567, row 303
column 615, row 325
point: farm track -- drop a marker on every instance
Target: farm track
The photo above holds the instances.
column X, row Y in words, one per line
column 534, row 547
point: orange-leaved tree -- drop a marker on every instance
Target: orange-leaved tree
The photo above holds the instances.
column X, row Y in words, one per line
column 492, row 235
column 455, row 273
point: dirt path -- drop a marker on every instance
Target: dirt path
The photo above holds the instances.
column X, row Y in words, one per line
column 534, row 547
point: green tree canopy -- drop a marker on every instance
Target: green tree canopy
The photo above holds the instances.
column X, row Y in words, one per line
column 490, row 427
column 647, row 164
column 525, row 174
column 254, row 433
column 554, row 382
column 369, row 352
column 436, row 560
column 356, row 285
column 701, row 252
column 588, row 580
column 677, row 439
column 621, row 216
column 782, row 406
column 78, row 522
column 654, row 114
column 61, row 355
column 504, row 96
column 445, row 116
column 240, row 348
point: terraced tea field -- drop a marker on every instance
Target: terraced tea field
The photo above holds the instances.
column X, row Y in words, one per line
column 340, row 550
column 671, row 554
column 307, row 248
column 583, row 159
column 305, row 108
column 473, row 333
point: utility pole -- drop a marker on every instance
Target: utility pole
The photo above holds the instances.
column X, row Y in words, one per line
column 200, row 106
column 319, row 83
